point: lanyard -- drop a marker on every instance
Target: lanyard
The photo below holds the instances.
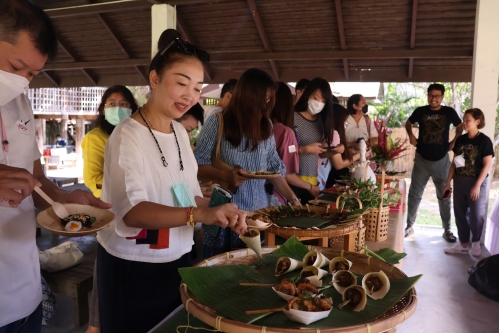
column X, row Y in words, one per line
column 5, row 142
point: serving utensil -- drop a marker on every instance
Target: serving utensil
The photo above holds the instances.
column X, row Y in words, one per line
column 59, row 209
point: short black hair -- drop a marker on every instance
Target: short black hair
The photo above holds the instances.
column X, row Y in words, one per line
column 228, row 87
column 436, row 86
column 196, row 111
column 302, row 84
column 22, row 15
column 58, row 135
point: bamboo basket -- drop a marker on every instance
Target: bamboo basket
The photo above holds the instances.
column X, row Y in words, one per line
column 376, row 220
column 400, row 312
column 338, row 242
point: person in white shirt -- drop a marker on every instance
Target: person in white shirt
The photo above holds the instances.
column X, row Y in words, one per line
column 27, row 40
column 359, row 124
column 150, row 178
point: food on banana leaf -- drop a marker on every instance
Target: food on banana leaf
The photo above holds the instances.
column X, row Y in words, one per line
column 376, row 284
column 339, row 264
column 343, row 279
column 286, row 264
column 354, row 297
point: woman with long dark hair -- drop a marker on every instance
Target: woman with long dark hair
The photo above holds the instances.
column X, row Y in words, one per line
column 341, row 162
column 247, row 144
column 286, row 142
column 313, row 112
column 359, row 124
column 150, row 179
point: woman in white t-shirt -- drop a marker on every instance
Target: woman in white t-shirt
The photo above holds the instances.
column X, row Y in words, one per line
column 359, row 124
column 150, row 178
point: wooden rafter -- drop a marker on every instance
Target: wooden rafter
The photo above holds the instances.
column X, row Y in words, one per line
column 343, row 44
column 73, row 57
column 106, row 7
column 293, row 56
column 263, row 35
column 412, row 35
column 51, row 78
column 184, row 32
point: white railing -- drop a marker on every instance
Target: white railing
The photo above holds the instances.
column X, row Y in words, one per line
column 83, row 100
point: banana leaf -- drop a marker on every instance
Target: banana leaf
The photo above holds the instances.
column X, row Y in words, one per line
column 218, row 287
column 388, row 255
column 304, row 222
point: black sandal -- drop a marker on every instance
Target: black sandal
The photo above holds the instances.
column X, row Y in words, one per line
column 449, row 237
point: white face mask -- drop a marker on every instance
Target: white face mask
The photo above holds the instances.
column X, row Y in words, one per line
column 11, row 86
column 314, row 107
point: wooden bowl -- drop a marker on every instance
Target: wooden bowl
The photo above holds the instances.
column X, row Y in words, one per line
column 50, row 221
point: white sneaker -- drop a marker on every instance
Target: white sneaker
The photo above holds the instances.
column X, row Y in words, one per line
column 475, row 249
column 457, row 248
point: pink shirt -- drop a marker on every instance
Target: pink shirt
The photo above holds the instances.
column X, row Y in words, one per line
column 287, row 147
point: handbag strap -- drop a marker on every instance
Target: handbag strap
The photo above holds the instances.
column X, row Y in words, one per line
column 219, row 134
column 368, row 127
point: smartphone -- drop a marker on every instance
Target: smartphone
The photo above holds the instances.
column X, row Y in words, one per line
column 331, row 147
column 219, row 197
column 446, row 194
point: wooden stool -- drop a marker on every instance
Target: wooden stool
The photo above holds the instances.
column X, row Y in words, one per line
column 75, row 282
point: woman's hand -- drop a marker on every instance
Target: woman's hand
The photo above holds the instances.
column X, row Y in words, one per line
column 446, row 195
column 227, row 215
column 314, row 148
column 474, row 192
column 234, row 177
column 339, row 149
column 315, row 191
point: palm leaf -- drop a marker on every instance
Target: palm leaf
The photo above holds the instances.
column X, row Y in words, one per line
column 218, row 287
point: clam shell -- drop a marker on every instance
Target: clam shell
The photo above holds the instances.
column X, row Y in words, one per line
column 379, row 294
column 253, row 243
column 292, row 265
column 361, row 304
column 337, row 286
column 331, row 266
column 320, row 261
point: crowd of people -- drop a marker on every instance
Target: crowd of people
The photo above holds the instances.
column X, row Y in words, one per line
column 139, row 163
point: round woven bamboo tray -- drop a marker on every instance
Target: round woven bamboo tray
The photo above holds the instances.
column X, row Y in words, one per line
column 401, row 311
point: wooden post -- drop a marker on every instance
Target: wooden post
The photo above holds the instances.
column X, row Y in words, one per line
column 79, row 136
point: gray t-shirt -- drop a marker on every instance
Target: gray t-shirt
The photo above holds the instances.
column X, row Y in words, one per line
column 308, row 132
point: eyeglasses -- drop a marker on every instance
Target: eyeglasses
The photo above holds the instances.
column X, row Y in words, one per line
column 113, row 103
column 188, row 48
column 434, row 96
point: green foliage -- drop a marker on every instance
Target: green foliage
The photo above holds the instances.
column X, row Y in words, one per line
column 141, row 94
column 368, row 193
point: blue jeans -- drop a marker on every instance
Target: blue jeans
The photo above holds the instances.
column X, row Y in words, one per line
column 30, row 324
column 422, row 171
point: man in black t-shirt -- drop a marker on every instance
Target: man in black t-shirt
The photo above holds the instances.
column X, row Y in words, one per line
column 431, row 157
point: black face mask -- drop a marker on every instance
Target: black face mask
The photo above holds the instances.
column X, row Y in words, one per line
column 365, row 109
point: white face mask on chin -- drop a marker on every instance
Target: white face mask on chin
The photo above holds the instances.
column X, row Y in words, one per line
column 314, row 107
column 11, row 86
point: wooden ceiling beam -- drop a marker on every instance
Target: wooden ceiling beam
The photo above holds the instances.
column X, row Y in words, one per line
column 343, row 44
column 291, row 56
column 90, row 9
column 74, row 57
column 184, row 32
column 413, row 33
column 51, row 79
column 263, row 35
column 141, row 73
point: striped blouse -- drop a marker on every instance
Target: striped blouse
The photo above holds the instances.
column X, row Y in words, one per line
column 264, row 157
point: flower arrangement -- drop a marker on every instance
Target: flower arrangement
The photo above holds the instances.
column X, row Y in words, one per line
column 368, row 193
column 388, row 147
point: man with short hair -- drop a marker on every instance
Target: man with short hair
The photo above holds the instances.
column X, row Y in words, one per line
column 431, row 157
column 225, row 96
column 60, row 142
column 27, row 40
column 299, row 88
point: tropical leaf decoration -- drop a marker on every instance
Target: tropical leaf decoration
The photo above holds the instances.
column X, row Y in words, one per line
column 218, row 288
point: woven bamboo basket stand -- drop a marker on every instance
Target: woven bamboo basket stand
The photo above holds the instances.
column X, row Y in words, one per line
column 376, row 220
column 400, row 312
column 338, row 242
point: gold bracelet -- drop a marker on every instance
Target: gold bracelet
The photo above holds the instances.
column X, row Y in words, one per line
column 190, row 220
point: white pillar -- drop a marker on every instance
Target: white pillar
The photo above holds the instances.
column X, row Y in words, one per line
column 485, row 69
column 79, row 128
column 40, row 134
column 162, row 17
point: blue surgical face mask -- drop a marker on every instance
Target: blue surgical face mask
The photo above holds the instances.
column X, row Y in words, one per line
column 116, row 114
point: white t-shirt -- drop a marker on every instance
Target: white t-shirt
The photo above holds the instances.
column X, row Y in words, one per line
column 211, row 111
column 354, row 130
column 134, row 172
column 20, row 283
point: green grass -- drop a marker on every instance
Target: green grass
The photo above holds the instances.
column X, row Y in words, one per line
column 426, row 217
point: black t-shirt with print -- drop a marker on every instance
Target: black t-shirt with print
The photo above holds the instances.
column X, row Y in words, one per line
column 434, row 130
column 474, row 150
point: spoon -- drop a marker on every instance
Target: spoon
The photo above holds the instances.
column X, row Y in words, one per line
column 59, row 209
